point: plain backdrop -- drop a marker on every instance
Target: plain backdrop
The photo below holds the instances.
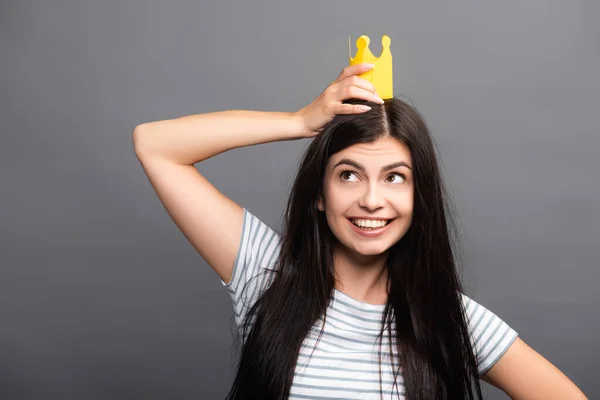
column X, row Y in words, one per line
column 101, row 297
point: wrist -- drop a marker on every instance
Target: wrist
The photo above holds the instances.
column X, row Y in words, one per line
column 301, row 131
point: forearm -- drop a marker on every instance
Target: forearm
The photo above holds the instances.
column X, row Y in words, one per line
column 194, row 138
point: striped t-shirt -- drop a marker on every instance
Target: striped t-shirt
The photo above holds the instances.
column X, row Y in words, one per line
column 346, row 361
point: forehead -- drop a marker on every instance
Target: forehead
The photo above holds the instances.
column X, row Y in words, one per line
column 382, row 151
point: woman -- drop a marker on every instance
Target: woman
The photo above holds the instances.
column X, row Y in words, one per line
column 359, row 296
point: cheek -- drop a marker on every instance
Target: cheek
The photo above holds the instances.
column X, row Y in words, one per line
column 406, row 206
column 337, row 201
column 401, row 201
column 404, row 201
column 336, row 207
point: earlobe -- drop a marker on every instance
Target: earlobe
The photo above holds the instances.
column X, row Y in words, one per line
column 320, row 204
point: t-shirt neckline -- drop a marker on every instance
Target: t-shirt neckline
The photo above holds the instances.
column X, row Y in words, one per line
column 356, row 303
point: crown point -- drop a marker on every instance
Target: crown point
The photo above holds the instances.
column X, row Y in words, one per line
column 362, row 42
column 386, row 41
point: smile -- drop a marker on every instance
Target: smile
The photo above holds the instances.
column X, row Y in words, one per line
column 370, row 228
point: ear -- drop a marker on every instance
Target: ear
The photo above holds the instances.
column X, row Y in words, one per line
column 320, row 205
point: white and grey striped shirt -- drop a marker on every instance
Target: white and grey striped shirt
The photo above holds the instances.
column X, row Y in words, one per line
column 345, row 363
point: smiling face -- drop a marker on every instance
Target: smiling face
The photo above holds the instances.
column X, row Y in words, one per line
column 369, row 185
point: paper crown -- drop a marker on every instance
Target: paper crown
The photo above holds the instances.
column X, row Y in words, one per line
column 380, row 76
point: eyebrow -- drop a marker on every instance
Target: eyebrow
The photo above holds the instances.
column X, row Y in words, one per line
column 361, row 168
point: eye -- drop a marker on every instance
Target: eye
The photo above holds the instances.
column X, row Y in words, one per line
column 397, row 175
column 346, row 175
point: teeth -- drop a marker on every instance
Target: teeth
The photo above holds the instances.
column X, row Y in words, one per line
column 369, row 223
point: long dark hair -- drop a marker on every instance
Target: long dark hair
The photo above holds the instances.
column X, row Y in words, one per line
column 424, row 297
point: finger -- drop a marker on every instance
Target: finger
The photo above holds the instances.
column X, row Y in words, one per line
column 355, row 92
column 357, row 81
column 355, row 69
column 352, row 108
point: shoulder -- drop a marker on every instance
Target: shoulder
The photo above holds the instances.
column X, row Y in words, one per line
column 490, row 335
column 259, row 245
column 254, row 264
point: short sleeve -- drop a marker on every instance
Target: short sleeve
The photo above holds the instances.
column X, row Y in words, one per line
column 490, row 335
column 253, row 266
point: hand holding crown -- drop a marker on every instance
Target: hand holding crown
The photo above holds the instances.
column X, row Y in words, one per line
column 366, row 78
column 348, row 85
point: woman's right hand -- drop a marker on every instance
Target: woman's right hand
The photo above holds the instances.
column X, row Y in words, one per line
column 348, row 85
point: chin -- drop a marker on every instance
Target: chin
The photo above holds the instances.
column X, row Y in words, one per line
column 370, row 250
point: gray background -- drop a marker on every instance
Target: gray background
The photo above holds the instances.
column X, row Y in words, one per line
column 102, row 297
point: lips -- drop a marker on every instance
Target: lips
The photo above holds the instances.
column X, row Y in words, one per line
column 373, row 232
column 370, row 221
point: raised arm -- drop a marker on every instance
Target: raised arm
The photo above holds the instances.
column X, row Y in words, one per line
column 168, row 150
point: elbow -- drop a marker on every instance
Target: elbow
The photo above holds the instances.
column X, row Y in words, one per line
column 139, row 139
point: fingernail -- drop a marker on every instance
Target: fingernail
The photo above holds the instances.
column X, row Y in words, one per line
column 364, row 108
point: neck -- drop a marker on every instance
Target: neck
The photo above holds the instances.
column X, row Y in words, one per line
column 361, row 277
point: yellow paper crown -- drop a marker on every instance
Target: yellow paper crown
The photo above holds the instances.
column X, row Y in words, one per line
column 380, row 76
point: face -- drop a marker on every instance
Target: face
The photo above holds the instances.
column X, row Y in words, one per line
column 368, row 195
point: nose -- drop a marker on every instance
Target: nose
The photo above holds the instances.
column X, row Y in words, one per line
column 372, row 199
